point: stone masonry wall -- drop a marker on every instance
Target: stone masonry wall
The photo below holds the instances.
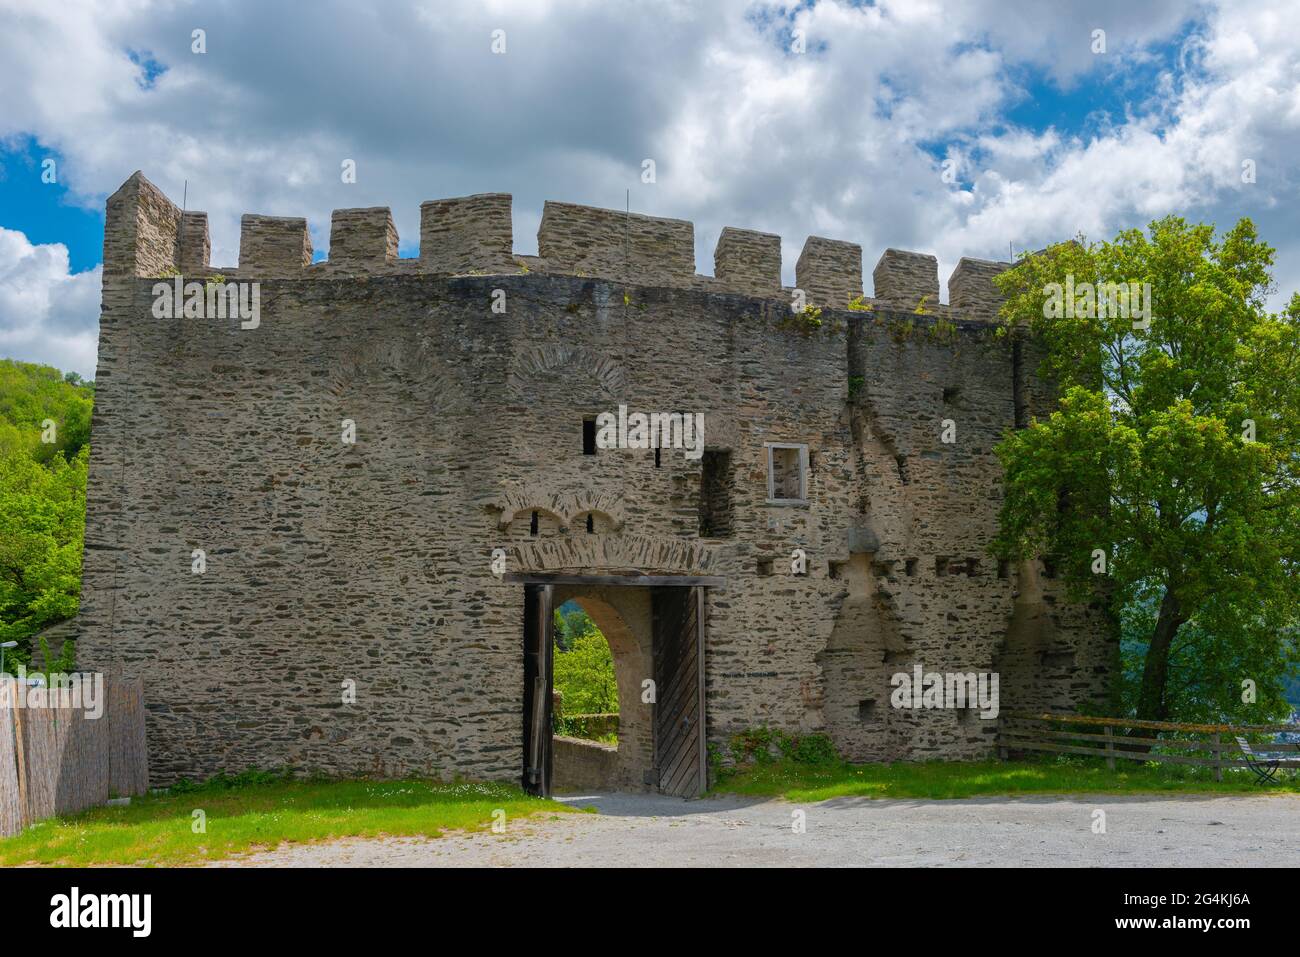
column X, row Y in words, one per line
column 367, row 565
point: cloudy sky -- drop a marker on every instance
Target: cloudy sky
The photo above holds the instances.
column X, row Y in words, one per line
column 955, row 127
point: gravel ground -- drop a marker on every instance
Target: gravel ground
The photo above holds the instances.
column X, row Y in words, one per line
column 652, row 830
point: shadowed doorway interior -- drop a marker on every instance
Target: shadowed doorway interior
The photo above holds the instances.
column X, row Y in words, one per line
column 628, row 664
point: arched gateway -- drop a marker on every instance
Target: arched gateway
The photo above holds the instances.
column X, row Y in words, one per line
column 655, row 625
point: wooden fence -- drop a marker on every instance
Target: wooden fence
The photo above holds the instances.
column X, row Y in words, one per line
column 1203, row 745
column 56, row 759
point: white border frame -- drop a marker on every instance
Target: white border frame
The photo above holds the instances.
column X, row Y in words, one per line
column 803, row 473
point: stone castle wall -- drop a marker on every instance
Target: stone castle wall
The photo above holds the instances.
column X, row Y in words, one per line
column 370, row 563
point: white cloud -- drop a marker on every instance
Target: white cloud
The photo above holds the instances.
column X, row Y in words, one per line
column 47, row 314
column 841, row 141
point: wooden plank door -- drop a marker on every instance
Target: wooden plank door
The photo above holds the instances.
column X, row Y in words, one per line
column 680, row 752
column 538, row 651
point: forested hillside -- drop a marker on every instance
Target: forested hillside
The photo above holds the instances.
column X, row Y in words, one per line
column 44, row 447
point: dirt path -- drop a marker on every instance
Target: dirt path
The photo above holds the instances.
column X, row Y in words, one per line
column 650, row 830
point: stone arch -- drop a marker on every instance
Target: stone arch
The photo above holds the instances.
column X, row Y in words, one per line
column 550, row 522
column 623, row 616
column 536, row 363
column 594, row 522
column 421, row 373
column 567, row 507
column 613, row 554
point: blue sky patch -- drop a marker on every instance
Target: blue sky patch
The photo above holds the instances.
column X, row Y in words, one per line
column 42, row 210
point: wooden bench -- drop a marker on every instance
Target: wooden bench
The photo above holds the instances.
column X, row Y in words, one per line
column 1264, row 765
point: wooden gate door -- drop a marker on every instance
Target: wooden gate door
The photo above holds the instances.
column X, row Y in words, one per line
column 538, row 651
column 680, row 753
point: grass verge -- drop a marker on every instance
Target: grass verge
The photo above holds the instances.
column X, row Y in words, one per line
column 242, row 816
column 961, row 779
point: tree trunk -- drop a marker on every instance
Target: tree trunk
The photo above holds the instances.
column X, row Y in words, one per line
column 1152, row 704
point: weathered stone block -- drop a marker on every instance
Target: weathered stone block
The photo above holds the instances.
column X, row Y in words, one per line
column 748, row 261
column 616, row 245
column 861, row 539
column 829, row 271
column 141, row 227
column 362, row 240
column 971, row 290
column 195, row 247
column 273, row 245
column 467, row 234
column 904, row 278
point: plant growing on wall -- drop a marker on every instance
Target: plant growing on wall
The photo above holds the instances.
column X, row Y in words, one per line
column 1172, row 465
column 806, row 321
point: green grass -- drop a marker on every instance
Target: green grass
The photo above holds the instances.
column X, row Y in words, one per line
column 961, row 779
column 243, row 817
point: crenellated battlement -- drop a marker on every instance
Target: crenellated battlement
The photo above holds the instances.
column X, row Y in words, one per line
column 146, row 235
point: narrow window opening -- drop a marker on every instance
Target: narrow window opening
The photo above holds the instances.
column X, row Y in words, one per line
column 1004, row 568
column 901, row 462
column 867, row 710
column 589, row 436
column 715, row 494
column 911, row 566
column 591, row 523
column 532, row 525
column 657, row 456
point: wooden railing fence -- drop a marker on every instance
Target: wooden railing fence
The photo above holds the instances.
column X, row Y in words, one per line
column 1166, row 742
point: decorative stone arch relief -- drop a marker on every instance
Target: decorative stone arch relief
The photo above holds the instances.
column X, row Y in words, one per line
column 538, row 363
column 548, row 523
column 569, row 508
column 594, row 522
column 648, row 554
column 421, row 371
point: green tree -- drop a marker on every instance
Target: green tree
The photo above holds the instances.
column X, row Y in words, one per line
column 44, row 436
column 583, row 666
column 1175, row 449
column 32, row 396
column 42, row 531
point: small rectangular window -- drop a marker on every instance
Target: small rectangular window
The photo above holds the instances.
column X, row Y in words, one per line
column 787, row 472
column 589, row 436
